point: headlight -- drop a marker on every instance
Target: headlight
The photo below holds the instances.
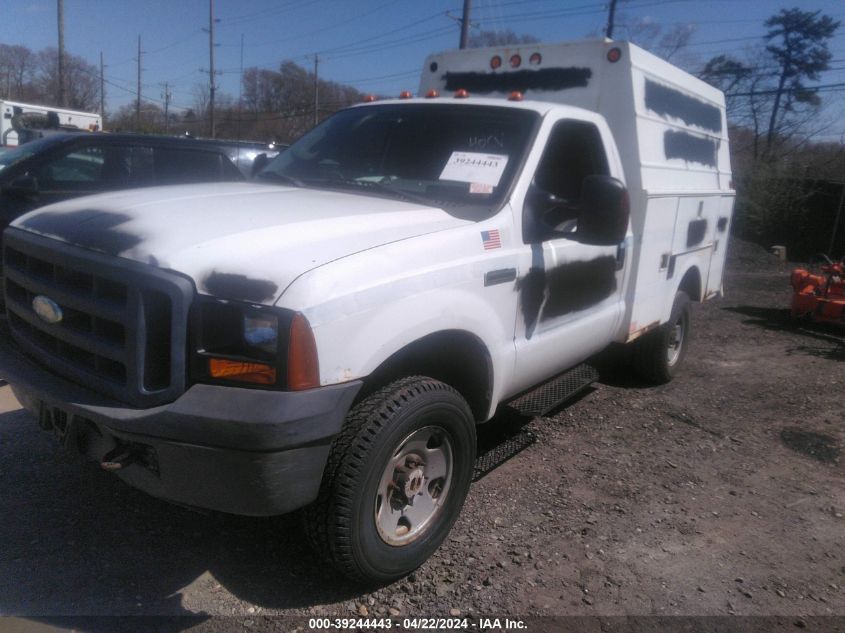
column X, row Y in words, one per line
column 261, row 331
column 236, row 342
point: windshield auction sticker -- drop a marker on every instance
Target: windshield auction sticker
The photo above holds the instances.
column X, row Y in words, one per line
column 473, row 167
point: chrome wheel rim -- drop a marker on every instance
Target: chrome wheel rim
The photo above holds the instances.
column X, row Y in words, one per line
column 676, row 342
column 414, row 485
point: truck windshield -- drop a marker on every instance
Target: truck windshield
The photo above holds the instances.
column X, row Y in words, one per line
column 461, row 158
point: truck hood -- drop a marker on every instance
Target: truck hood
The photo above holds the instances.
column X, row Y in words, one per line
column 235, row 240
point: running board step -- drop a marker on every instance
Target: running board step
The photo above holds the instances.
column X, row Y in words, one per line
column 554, row 392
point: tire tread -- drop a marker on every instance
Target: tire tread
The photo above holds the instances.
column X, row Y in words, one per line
column 649, row 353
column 328, row 518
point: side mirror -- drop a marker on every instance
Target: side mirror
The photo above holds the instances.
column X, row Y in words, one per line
column 24, row 187
column 604, row 211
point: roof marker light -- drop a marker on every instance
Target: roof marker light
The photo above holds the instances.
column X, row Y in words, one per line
column 535, row 59
column 432, row 94
column 460, row 93
column 405, row 94
column 370, row 98
column 495, row 62
column 515, row 61
column 614, row 55
column 516, row 95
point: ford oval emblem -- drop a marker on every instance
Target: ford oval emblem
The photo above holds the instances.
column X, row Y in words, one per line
column 47, row 310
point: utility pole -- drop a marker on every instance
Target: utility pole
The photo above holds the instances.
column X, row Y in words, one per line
column 102, row 93
column 611, row 14
column 465, row 24
column 166, row 96
column 316, row 89
column 61, row 9
column 138, row 102
column 211, row 86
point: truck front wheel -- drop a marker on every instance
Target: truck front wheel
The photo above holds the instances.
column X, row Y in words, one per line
column 658, row 354
column 395, row 481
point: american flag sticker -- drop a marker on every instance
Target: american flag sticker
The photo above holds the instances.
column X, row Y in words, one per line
column 491, row 239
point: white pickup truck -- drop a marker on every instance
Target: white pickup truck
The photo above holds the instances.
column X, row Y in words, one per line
column 330, row 338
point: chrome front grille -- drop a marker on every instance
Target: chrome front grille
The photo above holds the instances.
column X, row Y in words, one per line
column 123, row 325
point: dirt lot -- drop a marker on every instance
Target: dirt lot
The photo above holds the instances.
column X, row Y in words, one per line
column 721, row 493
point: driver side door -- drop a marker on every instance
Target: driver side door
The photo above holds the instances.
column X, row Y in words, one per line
column 570, row 294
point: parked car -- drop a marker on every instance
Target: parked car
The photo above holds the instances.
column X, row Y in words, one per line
column 62, row 166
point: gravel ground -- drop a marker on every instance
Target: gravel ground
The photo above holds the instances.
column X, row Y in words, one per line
column 720, row 493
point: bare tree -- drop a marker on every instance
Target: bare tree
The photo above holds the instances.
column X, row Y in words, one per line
column 279, row 104
column 775, row 122
column 82, row 85
column 151, row 120
column 17, row 68
column 672, row 43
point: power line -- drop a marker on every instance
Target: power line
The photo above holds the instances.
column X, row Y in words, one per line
column 265, row 13
column 401, row 29
column 837, row 87
column 276, row 42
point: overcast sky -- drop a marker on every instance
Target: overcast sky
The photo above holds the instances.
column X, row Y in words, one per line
column 376, row 45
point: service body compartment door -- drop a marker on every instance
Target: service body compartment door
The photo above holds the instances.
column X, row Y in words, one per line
column 721, row 230
column 650, row 270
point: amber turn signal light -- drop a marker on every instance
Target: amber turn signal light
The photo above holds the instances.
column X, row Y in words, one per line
column 238, row 371
column 303, row 368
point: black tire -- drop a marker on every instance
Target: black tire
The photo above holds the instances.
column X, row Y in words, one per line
column 658, row 355
column 342, row 523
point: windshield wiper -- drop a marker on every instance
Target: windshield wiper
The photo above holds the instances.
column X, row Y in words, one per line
column 390, row 191
column 274, row 175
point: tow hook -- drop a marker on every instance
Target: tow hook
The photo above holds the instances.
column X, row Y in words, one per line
column 118, row 457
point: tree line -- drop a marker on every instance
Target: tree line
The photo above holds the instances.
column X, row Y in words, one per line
column 276, row 105
column 781, row 168
column 33, row 77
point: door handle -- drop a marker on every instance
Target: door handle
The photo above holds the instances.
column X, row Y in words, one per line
column 501, row 276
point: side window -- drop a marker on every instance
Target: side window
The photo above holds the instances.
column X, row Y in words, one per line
column 80, row 169
column 142, row 169
column 573, row 152
column 173, row 166
column 116, row 167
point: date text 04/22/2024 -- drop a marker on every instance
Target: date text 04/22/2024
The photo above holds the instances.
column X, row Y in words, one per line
column 418, row 624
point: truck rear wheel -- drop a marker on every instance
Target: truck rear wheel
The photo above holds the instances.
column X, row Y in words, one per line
column 395, row 481
column 658, row 355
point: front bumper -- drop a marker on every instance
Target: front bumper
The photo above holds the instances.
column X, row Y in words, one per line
column 243, row 451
